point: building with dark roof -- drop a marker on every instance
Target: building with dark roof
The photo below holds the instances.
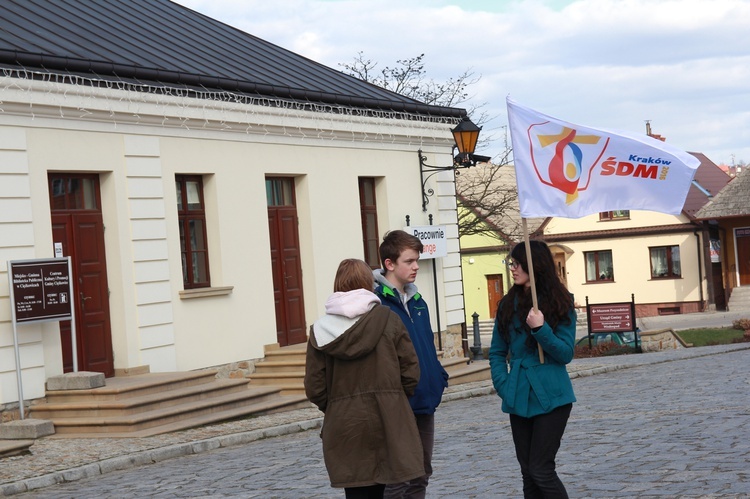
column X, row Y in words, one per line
column 204, row 182
column 664, row 260
column 727, row 215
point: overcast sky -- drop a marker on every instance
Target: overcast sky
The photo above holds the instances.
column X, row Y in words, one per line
column 684, row 65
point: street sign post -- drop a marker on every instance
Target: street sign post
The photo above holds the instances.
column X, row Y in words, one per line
column 612, row 318
column 41, row 290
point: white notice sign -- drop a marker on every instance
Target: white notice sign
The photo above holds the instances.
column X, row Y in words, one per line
column 433, row 239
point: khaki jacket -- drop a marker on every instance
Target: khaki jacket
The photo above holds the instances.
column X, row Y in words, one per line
column 361, row 381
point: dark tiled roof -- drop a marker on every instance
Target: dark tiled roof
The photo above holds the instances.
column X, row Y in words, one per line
column 160, row 41
column 710, row 179
column 732, row 201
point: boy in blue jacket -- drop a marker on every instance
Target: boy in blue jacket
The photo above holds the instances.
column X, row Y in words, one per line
column 394, row 285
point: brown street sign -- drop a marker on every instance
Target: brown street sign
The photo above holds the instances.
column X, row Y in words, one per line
column 611, row 317
column 41, row 290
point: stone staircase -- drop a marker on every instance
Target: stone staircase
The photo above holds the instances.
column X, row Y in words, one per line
column 10, row 448
column 285, row 368
column 740, row 299
column 154, row 403
column 149, row 404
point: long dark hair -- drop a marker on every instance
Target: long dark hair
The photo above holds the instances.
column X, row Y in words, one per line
column 554, row 299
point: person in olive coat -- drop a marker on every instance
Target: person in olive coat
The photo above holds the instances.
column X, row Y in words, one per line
column 537, row 395
column 361, row 367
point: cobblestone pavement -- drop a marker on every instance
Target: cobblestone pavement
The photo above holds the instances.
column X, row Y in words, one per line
column 668, row 424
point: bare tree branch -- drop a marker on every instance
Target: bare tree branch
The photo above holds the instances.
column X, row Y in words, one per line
column 487, row 192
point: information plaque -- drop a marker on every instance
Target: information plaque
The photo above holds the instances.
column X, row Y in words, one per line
column 41, row 290
column 611, row 317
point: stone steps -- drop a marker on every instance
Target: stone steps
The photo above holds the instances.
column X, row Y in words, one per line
column 151, row 404
column 740, row 299
column 285, row 368
column 10, row 448
column 154, row 403
column 466, row 371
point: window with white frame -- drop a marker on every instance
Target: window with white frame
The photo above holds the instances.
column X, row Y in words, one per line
column 599, row 267
column 614, row 215
column 665, row 262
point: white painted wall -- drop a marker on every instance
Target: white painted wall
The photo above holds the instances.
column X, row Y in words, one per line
column 631, row 262
column 137, row 142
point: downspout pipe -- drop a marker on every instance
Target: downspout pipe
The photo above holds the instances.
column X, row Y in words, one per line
column 700, row 268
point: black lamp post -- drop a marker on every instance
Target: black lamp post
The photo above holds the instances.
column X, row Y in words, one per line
column 466, row 135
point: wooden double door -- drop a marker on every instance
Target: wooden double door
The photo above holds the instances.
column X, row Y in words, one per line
column 78, row 232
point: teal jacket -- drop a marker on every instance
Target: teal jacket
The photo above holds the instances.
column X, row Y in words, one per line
column 527, row 387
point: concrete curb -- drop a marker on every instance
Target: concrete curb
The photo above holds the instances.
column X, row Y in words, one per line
column 184, row 449
column 155, row 455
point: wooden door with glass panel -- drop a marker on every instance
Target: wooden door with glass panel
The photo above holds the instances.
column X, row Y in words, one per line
column 285, row 261
column 78, row 232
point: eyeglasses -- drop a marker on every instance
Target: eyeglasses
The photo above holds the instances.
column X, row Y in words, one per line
column 513, row 265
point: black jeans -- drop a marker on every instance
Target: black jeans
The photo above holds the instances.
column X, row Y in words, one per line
column 369, row 492
column 537, row 441
column 417, row 487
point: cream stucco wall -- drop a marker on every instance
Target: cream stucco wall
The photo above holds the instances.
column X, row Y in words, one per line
column 559, row 225
column 630, row 254
column 137, row 142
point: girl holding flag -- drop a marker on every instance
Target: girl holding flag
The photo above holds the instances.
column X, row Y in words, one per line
column 531, row 344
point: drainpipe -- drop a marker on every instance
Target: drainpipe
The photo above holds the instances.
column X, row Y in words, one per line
column 700, row 269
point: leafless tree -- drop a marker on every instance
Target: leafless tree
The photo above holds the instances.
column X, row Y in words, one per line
column 487, row 191
column 488, row 201
column 408, row 77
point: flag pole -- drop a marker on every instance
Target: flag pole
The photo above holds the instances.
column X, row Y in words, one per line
column 530, row 264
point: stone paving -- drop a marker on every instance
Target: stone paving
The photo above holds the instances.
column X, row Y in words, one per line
column 667, row 424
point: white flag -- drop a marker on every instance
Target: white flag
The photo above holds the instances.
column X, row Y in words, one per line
column 567, row 170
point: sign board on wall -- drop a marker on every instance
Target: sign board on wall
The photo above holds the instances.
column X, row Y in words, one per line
column 715, row 250
column 434, row 240
column 40, row 290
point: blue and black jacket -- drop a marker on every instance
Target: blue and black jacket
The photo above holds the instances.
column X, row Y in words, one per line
column 432, row 377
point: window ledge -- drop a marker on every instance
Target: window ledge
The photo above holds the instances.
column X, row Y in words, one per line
column 189, row 294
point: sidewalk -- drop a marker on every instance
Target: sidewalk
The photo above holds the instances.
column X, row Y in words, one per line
column 691, row 321
column 57, row 460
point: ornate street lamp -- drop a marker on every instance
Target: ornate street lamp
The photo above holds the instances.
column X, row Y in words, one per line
column 466, row 135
